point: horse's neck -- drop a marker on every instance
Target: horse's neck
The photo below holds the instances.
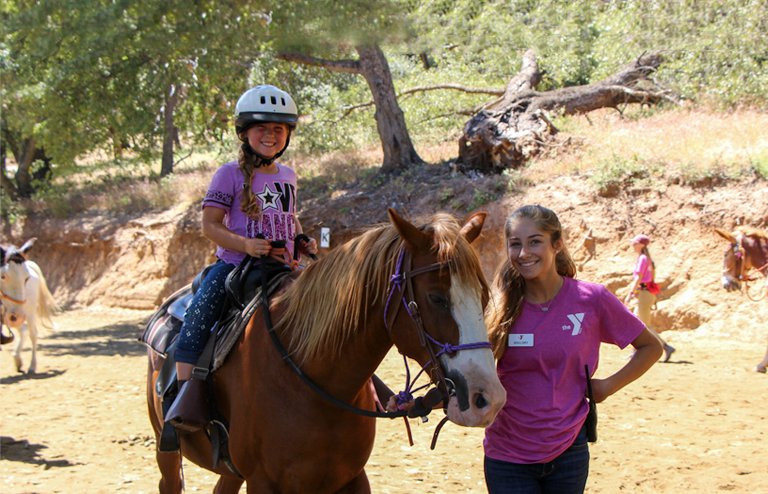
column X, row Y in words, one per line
column 348, row 371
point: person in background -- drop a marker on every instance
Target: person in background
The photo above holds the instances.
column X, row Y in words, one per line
column 642, row 279
column 545, row 327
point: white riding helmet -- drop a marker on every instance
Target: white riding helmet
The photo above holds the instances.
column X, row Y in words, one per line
column 264, row 104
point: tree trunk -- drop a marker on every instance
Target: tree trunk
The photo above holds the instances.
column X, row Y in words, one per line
column 399, row 153
column 172, row 99
column 514, row 128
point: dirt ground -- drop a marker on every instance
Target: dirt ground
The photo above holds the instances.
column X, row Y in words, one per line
column 696, row 424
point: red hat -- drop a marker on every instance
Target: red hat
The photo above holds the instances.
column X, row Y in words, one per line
column 641, row 239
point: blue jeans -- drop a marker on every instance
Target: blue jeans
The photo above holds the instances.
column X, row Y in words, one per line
column 566, row 474
column 203, row 312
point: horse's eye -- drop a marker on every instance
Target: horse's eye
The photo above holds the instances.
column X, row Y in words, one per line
column 438, row 301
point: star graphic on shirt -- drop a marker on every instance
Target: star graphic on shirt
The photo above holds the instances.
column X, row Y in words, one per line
column 268, row 198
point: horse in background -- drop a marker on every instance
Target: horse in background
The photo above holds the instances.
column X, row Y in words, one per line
column 743, row 260
column 419, row 288
column 26, row 300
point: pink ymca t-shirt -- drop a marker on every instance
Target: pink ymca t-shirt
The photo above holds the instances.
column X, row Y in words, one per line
column 277, row 198
column 643, row 269
column 543, row 373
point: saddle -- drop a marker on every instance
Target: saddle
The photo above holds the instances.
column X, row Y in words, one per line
column 243, row 286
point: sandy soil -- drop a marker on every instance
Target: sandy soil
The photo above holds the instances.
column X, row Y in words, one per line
column 696, row 424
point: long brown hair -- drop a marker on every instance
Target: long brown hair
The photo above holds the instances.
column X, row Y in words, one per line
column 509, row 285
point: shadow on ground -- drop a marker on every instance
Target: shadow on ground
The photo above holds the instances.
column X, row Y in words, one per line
column 31, row 377
column 25, row 452
column 119, row 338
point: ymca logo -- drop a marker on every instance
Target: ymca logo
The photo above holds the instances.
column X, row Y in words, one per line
column 576, row 319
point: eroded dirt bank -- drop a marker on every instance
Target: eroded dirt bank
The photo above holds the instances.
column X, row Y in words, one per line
column 136, row 263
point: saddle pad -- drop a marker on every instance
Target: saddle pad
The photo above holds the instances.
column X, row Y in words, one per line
column 231, row 332
column 163, row 328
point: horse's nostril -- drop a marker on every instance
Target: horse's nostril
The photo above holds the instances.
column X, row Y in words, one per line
column 480, row 401
column 12, row 318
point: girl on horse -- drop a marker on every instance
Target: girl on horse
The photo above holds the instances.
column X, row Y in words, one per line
column 643, row 286
column 545, row 327
column 250, row 203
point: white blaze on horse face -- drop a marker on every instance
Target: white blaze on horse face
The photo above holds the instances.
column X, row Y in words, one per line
column 476, row 366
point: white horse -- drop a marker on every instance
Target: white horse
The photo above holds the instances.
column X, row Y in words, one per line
column 26, row 300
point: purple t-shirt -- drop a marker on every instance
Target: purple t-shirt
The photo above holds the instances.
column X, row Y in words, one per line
column 277, row 197
column 542, row 370
column 643, row 269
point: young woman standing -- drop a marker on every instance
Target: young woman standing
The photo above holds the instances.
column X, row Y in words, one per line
column 642, row 277
column 545, row 328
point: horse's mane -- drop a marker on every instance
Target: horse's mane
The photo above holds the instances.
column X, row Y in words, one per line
column 751, row 231
column 327, row 302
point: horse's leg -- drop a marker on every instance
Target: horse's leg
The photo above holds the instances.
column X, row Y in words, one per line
column 32, row 325
column 16, row 352
column 227, row 485
column 169, row 464
column 763, row 366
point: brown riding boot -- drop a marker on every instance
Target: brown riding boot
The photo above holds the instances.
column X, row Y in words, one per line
column 190, row 411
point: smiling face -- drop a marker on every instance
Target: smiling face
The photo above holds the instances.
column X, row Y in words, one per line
column 530, row 250
column 268, row 138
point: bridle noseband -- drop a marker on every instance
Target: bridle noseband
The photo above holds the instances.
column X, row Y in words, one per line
column 403, row 276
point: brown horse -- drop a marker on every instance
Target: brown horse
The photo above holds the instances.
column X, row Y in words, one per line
column 745, row 257
column 285, row 437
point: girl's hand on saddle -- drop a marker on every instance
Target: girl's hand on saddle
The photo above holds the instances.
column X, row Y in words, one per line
column 308, row 248
column 257, row 247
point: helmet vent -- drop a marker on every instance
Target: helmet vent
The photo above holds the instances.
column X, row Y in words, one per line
column 283, row 100
column 263, row 100
column 274, row 100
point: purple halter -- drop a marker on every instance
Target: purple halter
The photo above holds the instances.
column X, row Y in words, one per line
column 399, row 278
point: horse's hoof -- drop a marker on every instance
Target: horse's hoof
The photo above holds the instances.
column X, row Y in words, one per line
column 761, row 369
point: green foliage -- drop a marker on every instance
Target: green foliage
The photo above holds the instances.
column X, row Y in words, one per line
column 480, row 198
column 760, row 165
column 85, row 75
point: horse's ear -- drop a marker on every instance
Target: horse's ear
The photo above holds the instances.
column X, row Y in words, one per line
column 726, row 235
column 2, row 256
column 413, row 238
column 472, row 228
column 27, row 245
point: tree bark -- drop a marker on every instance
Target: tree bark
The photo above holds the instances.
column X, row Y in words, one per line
column 172, row 99
column 399, row 153
column 514, row 128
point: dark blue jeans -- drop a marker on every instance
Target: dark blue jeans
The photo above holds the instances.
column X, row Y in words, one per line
column 203, row 312
column 566, row 474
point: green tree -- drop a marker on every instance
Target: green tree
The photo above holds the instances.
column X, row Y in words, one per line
column 325, row 33
column 86, row 74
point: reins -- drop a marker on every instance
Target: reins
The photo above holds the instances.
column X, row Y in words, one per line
column 400, row 277
column 288, row 360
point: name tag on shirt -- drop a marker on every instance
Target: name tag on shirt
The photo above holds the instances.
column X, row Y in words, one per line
column 521, row 339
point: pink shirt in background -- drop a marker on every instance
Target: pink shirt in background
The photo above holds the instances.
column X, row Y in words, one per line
column 277, row 198
column 546, row 382
column 643, row 269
